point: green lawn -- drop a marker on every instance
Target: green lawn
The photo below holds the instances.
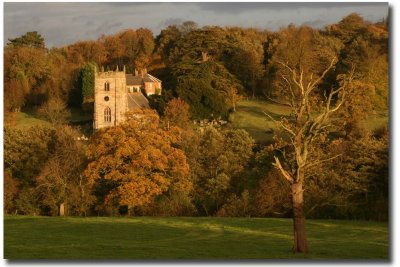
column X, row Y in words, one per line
column 27, row 237
column 251, row 117
column 28, row 119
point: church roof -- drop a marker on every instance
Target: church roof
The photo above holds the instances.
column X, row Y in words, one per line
column 133, row 80
column 150, row 78
column 139, row 80
column 137, row 101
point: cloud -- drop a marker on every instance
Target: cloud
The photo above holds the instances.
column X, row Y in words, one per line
column 317, row 23
column 61, row 23
column 170, row 21
column 238, row 7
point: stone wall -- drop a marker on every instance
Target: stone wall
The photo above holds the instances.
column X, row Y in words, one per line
column 115, row 99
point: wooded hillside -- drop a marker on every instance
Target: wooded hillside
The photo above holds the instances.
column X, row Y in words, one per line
column 168, row 165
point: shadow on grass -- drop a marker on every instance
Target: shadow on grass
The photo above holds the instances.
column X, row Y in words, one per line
column 183, row 238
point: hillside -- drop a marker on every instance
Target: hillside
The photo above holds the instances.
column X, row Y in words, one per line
column 251, row 117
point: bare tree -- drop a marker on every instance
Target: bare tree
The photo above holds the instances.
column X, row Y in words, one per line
column 310, row 121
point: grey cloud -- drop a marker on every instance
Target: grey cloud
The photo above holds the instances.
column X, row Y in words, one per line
column 63, row 23
column 170, row 21
column 107, row 26
column 318, row 23
column 241, row 7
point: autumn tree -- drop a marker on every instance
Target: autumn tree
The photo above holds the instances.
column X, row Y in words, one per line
column 244, row 57
column 305, row 48
column 87, row 51
column 55, row 111
column 365, row 45
column 29, row 66
column 177, row 113
column 10, row 192
column 26, row 151
column 14, row 95
column 137, row 159
column 356, row 189
column 60, row 185
column 130, row 47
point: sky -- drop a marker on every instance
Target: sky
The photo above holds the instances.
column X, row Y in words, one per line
column 65, row 23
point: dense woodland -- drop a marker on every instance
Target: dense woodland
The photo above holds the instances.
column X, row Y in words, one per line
column 162, row 163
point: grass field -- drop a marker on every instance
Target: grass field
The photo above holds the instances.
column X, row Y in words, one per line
column 250, row 116
column 187, row 238
column 29, row 118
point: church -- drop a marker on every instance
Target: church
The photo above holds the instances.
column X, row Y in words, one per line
column 116, row 92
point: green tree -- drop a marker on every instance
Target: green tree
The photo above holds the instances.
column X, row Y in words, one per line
column 87, row 82
column 217, row 158
column 29, row 39
column 166, row 41
column 203, row 86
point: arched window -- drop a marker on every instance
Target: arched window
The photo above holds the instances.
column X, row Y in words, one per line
column 107, row 115
column 107, row 86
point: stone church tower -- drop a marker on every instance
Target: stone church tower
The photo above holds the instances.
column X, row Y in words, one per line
column 110, row 98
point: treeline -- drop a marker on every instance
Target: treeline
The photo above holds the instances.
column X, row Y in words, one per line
column 170, row 167
column 210, row 67
column 165, row 167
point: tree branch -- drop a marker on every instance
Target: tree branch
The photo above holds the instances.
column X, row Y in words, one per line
column 333, row 61
column 321, row 161
column 281, row 124
column 285, row 174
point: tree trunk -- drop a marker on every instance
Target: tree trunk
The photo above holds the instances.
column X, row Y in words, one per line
column 62, row 209
column 299, row 220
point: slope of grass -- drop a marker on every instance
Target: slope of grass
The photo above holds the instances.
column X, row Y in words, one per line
column 251, row 117
column 28, row 119
column 187, row 238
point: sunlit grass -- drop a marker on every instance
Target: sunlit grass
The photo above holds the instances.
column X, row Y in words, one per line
column 251, row 117
column 25, row 120
column 29, row 118
column 187, row 238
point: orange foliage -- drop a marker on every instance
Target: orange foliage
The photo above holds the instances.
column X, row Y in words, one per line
column 177, row 113
column 139, row 157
